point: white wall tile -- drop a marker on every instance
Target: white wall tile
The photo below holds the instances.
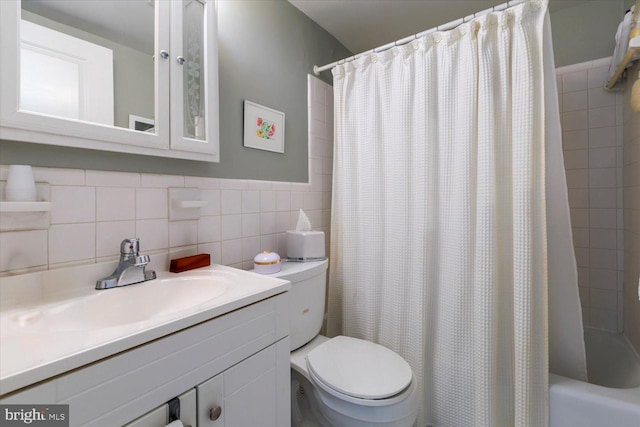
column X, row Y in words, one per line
column 250, row 201
column 604, row 299
column 574, row 81
column 161, row 181
column 579, row 198
column 209, row 229
column 597, row 77
column 250, row 248
column 23, row 249
column 115, row 204
column 112, row 179
column 603, row 238
column 268, row 223
column 602, row 157
column 72, row 242
column 269, row 242
column 604, row 319
column 576, row 159
column 602, row 178
column 573, row 101
column 110, row 234
column 231, row 201
column 267, row 201
column 603, row 259
column 602, row 198
column 72, row 204
column 202, row 182
column 183, row 233
column 212, row 197
column 251, row 225
column 577, row 178
column 283, row 201
column 231, row 251
column 248, row 215
column 601, row 117
column 230, row 227
column 580, row 217
column 602, row 137
column 599, row 97
column 58, row 176
column 151, row 203
column 153, row 234
column 575, row 139
column 603, row 279
column 603, row 218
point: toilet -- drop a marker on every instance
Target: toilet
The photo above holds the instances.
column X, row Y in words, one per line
column 341, row 381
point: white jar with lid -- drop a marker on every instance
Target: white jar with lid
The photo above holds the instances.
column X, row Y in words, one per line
column 267, row 262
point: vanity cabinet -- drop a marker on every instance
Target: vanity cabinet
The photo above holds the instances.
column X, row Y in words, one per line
column 165, row 86
column 237, row 362
column 159, row 417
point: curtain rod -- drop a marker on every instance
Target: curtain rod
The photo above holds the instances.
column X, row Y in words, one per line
column 448, row 26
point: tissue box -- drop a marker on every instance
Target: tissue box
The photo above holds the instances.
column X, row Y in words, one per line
column 305, row 244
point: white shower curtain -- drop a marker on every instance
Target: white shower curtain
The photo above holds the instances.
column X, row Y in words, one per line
column 439, row 238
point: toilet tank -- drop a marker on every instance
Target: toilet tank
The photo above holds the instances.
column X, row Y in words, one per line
column 306, row 299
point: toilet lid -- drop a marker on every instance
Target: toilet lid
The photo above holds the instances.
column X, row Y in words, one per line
column 359, row 368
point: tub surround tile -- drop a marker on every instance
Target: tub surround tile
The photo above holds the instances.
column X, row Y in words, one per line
column 592, row 135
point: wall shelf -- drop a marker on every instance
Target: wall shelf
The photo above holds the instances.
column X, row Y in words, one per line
column 25, row 206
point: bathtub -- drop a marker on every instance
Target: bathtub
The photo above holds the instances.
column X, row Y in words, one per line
column 612, row 396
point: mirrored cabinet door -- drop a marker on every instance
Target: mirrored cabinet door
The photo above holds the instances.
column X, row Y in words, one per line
column 98, row 75
column 194, row 80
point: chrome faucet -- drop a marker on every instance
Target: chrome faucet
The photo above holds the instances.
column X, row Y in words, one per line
column 131, row 268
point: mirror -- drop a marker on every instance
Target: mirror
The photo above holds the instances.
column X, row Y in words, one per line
column 91, row 61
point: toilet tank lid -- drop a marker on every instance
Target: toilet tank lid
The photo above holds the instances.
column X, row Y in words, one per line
column 298, row 271
column 359, row 368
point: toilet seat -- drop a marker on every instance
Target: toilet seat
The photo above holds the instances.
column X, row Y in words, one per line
column 358, row 370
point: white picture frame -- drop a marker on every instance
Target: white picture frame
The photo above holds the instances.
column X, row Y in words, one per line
column 263, row 127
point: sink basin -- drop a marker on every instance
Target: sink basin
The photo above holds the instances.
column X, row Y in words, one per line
column 155, row 299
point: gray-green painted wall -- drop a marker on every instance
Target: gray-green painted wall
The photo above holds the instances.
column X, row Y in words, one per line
column 266, row 50
column 586, row 31
column 267, row 47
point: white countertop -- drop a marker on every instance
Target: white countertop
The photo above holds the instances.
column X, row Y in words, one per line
column 33, row 347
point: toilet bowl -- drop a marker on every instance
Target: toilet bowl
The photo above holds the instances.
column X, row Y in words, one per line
column 340, row 381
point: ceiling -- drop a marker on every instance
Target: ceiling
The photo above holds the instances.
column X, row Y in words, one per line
column 361, row 25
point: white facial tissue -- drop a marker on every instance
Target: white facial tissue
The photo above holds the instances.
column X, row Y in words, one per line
column 303, row 222
column 303, row 243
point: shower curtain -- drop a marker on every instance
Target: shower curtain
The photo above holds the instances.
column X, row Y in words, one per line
column 443, row 247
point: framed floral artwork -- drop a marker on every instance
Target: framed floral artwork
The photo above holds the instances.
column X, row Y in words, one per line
column 263, row 127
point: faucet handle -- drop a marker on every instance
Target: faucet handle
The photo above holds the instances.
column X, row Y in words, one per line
column 130, row 247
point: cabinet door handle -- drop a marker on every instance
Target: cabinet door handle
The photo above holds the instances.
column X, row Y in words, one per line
column 180, row 60
column 164, row 54
column 215, row 412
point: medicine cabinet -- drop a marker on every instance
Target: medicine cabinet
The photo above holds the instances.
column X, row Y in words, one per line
column 135, row 76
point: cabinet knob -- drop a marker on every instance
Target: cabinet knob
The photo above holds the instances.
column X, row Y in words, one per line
column 215, row 412
column 164, row 54
column 180, row 60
